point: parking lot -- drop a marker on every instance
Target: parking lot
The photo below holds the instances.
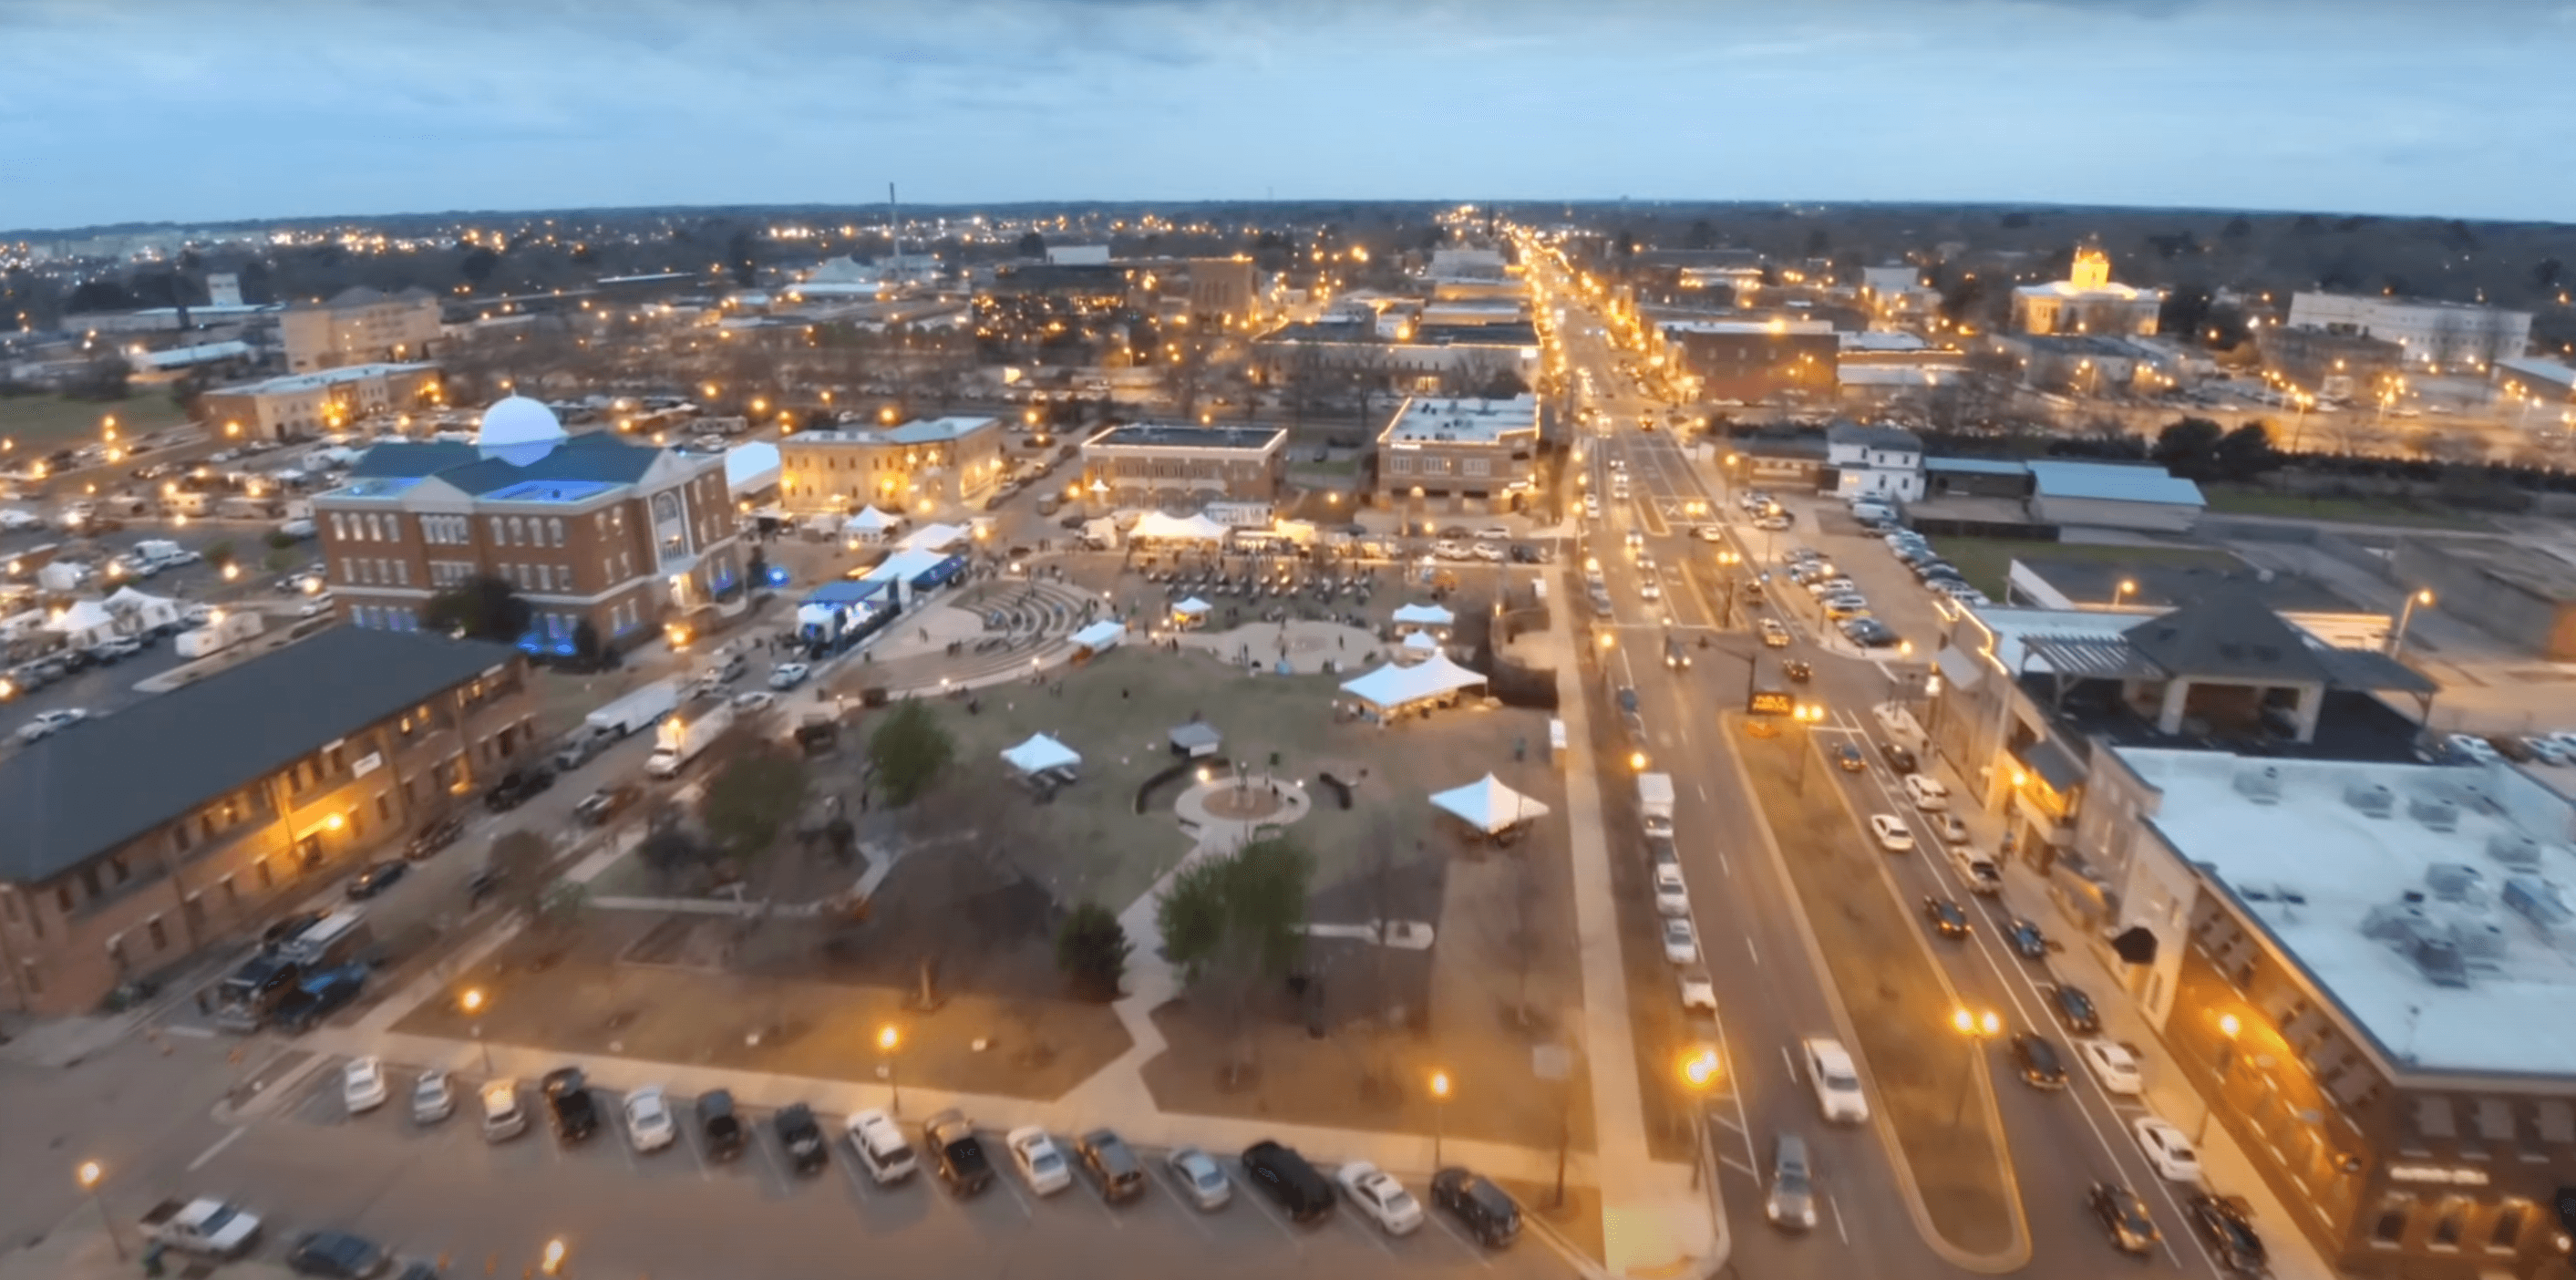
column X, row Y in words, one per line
column 441, row 1192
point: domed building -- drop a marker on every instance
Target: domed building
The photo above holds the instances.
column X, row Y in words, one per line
column 588, row 529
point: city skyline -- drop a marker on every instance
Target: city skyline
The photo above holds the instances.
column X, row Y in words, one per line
column 150, row 112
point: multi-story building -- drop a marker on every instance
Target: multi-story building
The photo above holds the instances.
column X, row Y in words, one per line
column 2328, row 362
column 2086, row 301
column 1151, row 465
column 2434, row 335
column 304, row 404
column 138, row 839
column 914, row 468
column 2360, row 968
column 360, row 326
column 587, row 529
column 1750, row 361
column 1459, row 455
column 1874, row 462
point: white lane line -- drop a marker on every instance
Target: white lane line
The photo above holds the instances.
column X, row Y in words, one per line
column 1374, row 1234
column 1473, row 1250
column 218, row 1149
column 1748, row 947
column 1742, row 1168
column 1016, row 1198
column 1789, row 1062
column 1724, row 865
column 1837, row 1211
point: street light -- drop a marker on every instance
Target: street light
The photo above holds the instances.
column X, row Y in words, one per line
column 90, row 1174
column 888, row 1039
column 2126, row 589
column 2397, row 639
column 472, row 1003
column 1977, row 1028
column 1439, row 1113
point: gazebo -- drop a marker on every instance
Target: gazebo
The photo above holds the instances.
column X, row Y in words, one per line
column 1488, row 806
column 1041, row 755
column 1394, row 689
column 1196, row 739
column 1192, row 612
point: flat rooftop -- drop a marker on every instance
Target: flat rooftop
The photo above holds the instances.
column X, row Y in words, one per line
column 2173, row 581
column 1156, row 435
column 1748, row 326
column 319, row 379
column 2329, row 882
column 2519, row 565
column 1434, row 419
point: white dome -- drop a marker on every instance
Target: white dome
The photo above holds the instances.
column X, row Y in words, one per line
column 518, row 430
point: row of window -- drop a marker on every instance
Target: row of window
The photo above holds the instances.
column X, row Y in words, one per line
column 1437, row 464
column 540, row 577
column 376, row 571
column 384, row 617
column 528, row 531
column 2449, row 1226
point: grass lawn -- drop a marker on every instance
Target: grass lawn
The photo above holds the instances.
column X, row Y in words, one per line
column 1116, row 711
column 49, row 422
column 1985, row 562
column 2241, row 501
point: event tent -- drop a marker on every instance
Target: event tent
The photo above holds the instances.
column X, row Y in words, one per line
column 1041, row 753
column 870, row 524
column 1100, row 635
column 934, row 537
column 1192, row 608
column 1154, row 526
column 1488, row 805
column 1392, row 687
column 751, row 468
column 139, row 612
column 1419, row 645
column 86, row 624
column 1424, row 615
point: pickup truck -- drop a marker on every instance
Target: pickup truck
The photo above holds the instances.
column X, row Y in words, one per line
column 203, row 1226
column 956, row 1153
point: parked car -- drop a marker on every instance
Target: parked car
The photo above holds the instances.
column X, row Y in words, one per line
column 1681, row 941
column 1891, row 833
column 1113, row 1165
column 718, row 1126
column 1947, row 826
column 788, row 675
column 2038, row 1062
column 2112, row 1065
column 1199, row 1178
column 880, row 1147
column 2226, row 1225
column 1488, row 1214
column 1898, row 758
column 337, row 1255
column 362, row 1084
column 46, row 724
column 599, row 806
column 801, row 1136
column 956, row 1153
column 1286, row 1178
column 568, row 1101
column 1034, row 1154
column 2123, row 1217
column 376, row 879
column 649, row 1124
column 433, row 1097
column 1699, row 993
column 517, row 787
column 1380, row 1197
column 436, row 836
column 1791, row 1203
column 2166, row 1149
column 503, row 1118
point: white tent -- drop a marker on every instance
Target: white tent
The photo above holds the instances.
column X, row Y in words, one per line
column 84, row 625
column 870, row 524
column 1041, row 753
column 1100, row 635
column 139, row 612
column 751, row 468
column 1393, row 686
column 1154, row 526
column 1192, row 608
column 934, row 537
column 1416, row 647
column 904, row 566
column 1424, row 615
column 1488, row 805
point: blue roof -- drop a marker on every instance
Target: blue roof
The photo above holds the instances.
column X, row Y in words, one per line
column 599, row 458
column 2114, row 482
column 550, row 491
column 412, row 459
column 377, row 487
column 1978, row 466
column 845, row 592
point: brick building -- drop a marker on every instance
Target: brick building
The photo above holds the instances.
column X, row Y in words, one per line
column 360, row 326
column 1753, row 360
column 1142, row 464
column 586, row 528
column 915, row 468
column 137, row 839
column 1459, row 455
column 308, row 404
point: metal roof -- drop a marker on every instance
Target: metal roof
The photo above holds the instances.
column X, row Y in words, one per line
column 2092, row 657
column 2113, row 482
column 96, row 785
column 2229, row 635
column 1979, row 466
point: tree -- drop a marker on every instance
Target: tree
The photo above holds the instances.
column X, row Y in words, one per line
column 479, row 608
column 751, row 798
column 477, row 265
column 220, row 553
column 910, row 750
column 669, row 851
column 1092, row 948
column 2245, row 453
column 740, row 259
column 1190, row 915
column 520, row 859
column 2188, row 447
column 585, row 643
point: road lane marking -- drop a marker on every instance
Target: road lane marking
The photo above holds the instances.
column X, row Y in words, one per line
column 1473, row 1250
column 1837, row 1211
column 1789, row 1062
column 1724, row 865
column 1016, row 1198
column 1742, row 1168
column 1253, row 1195
column 1748, row 947
column 218, row 1149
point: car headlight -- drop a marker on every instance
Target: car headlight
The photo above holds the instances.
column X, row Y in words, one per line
column 1808, row 1215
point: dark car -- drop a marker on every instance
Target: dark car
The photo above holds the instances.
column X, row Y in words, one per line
column 718, row 1124
column 376, row 879
column 1481, row 1207
column 2038, row 1061
column 1113, row 1165
column 599, row 806
column 2026, row 939
column 434, row 837
column 956, row 1153
column 482, row 884
column 339, row 1255
column 1797, row 671
column 1947, row 917
column 1626, row 697
column 288, row 928
column 517, row 787
column 2124, row 1218
column 1285, row 1177
column 802, row 1136
column 1848, row 756
column 2074, row 1008
column 1898, row 758
column 2226, row 1224
column 568, row 1100
column 317, row 995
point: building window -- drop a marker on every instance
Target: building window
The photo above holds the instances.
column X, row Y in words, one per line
column 232, row 892
column 267, row 877
column 160, row 936
column 116, row 867
column 2390, row 1230
column 2505, row 1236
column 2447, row 1227
column 500, row 531
column 554, row 529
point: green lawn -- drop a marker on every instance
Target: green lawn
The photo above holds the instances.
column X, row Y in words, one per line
column 2241, row 501
column 1985, row 562
column 49, row 422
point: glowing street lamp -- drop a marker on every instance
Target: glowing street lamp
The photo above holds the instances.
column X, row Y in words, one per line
column 888, row 1040
column 1439, row 1113
column 90, row 1174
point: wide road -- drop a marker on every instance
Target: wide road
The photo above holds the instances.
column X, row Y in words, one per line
column 1769, row 994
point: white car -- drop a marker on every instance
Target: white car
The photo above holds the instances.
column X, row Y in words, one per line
column 881, row 1148
column 1040, row 1164
column 1494, row 533
column 1651, row 587
column 788, row 675
column 1947, row 825
column 1646, row 562
column 1591, row 506
column 362, row 1084
column 1200, row 1177
column 2113, row 1066
column 433, row 1098
column 314, row 606
column 1891, row 832
column 754, row 700
column 2472, row 746
column 1672, row 896
column 13, row 520
column 1380, row 1196
column 503, row 1117
column 48, row 723
column 1681, row 941
column 648, row 1119
column 1836, row 1081
column 1927, row 793
column 1697, row 991
column 1491, row 551
column 1451, row 549
column 2166, row 1149
column 1712, row 533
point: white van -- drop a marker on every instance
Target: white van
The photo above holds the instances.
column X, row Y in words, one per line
column 1836, row 1081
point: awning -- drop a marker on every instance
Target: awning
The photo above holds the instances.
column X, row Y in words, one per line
column 1959, row 668
column 1421, row 642
column 1192, row 607
column 1041, row 753
column 1488, row 805
column 2054, row 766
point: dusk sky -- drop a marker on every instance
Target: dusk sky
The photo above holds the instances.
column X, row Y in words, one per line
column 198, row 112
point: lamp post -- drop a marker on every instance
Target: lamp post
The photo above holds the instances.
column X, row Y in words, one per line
column 90, row 1174
column 1439, row 1113
column 1699, row 1075
column 888, row 1040
column 1977, row 1028
column 2228, row 1027
column 472, row 1003
column 2121, row 593
column 2397, row 638
column 1727, row 560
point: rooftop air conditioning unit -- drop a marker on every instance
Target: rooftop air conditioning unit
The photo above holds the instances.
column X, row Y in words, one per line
column 2434, row 812
column 2260, row 786
column 2514, row 849
column 2451, row 881
column 2371, row 798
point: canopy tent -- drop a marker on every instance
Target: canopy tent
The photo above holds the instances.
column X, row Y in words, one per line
column 1424, row 615
column 1192, row 608
column 934, row 537
column 136, row 611
column 1041, row 753
column 916, row 568
column 86, row 624
column 1419, row 645
column 751, row 468
column 1488, row 805
column 1195, row 739
column 1154, row 526
column 870, row 525
column 1392, row 687
column 1100, row 635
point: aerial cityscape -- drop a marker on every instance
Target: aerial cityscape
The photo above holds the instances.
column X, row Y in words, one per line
column 1047, row 637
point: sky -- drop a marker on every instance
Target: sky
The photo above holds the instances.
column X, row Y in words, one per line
column 201, row 111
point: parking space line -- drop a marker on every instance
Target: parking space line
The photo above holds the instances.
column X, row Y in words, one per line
column 1474, row 1250
column 1016, row 1198
column 1742, row 1168
column 774, row 1176
column 1748, row 947
column 1253, row 1196
column 1375, row 1234
column 1837, row 1211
